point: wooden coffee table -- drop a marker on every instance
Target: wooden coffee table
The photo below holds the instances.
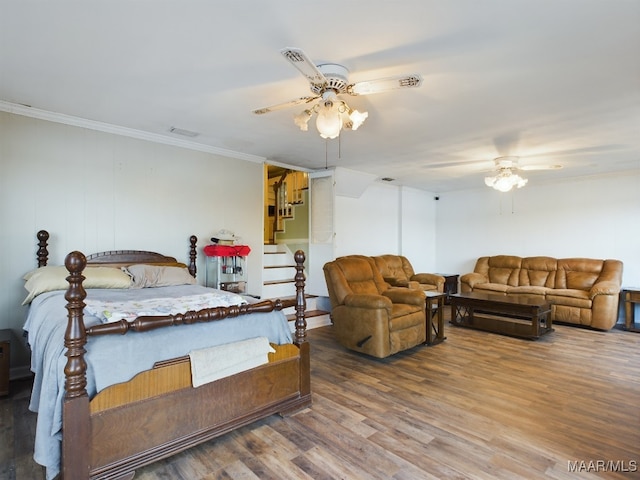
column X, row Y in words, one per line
column 515, row 315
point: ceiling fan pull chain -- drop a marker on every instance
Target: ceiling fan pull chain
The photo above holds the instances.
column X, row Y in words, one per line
column 326, row 154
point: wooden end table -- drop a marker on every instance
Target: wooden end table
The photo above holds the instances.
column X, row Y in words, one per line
column 630, row 296
column 450, row 284
column 435, row 317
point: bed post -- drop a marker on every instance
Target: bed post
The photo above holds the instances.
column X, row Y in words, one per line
column 301, row 328
column 301, row 303
column 75, row 413
column 43, row 253
column 192, row 255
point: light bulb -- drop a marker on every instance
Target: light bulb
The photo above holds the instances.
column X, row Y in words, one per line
column 357, row 118
column 329, row 121
column 302, row 120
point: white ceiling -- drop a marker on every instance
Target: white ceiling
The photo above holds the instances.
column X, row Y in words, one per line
column 553, row 81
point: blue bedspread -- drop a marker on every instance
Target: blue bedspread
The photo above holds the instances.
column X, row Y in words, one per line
column 114, row 359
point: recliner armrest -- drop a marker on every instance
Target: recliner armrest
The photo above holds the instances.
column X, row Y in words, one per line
column 396, row 282
column 405, row 295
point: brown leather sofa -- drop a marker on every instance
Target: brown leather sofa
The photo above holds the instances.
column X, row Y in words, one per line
column 397, row 271
column 368, row 315
column 582, row 291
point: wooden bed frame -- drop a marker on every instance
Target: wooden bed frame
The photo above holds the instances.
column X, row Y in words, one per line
column 158, row 413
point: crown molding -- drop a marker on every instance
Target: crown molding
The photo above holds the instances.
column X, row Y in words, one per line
column 27, row 111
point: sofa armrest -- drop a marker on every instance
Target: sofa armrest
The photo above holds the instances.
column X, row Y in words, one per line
column 430, row 279
column 606, row 287
column 405, row 295
column 472, row 279
column 367, row 301
column 396, row 282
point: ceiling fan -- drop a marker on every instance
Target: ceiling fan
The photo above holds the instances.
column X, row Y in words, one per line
column 506, row 176
column 327, row 82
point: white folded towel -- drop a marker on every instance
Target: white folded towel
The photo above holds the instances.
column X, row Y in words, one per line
column 213, row 363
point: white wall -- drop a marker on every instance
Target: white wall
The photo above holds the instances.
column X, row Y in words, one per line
column 388, row 219
column 593, row 217
column 369, row 224
column 95, row 191
column 418, row 229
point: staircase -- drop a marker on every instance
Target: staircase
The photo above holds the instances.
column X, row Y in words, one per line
column 279, row 282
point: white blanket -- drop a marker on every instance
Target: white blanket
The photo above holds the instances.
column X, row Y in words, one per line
column 114, row 311
column 213, row 363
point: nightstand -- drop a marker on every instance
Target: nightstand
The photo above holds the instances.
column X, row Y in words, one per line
column 5, row 358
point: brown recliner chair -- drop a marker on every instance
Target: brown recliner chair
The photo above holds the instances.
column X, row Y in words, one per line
column 368, row 315
column 397, row 271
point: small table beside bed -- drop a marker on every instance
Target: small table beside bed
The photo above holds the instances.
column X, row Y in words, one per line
column 135, row 368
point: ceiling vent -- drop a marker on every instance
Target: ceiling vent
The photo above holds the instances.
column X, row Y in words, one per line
column 184, row 133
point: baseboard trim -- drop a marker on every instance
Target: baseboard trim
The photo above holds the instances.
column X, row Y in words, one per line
column 313, row 322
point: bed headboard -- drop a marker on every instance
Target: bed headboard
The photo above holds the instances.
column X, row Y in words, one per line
column 123, row 258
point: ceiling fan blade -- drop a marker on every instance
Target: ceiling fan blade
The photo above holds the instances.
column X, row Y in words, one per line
column 457, row 164
column 280, row 106
column 385, row 84
column 539, row 167
column 303, row 63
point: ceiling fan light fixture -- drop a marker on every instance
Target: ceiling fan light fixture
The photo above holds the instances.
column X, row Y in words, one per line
column 333, row 115
column 327, row 81
column 329, row 120
column 505, row 180
column 357, row 118
column 302, row 120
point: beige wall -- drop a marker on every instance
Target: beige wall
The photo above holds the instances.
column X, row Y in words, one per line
column 95, row 191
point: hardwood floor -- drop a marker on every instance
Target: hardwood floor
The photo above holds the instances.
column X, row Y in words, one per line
column 478, row 406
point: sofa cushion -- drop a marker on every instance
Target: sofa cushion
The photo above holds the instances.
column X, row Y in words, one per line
column 402, row 316
column 528, row 290
column 578, row 273
column 491, row 287
column 570, row 297
column 503, row 269
column 394, row 268
column 538, row 271
column 570, row 314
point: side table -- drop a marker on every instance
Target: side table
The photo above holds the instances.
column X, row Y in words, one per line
column 435, row 317
column 450, row 284
column 630, row 296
